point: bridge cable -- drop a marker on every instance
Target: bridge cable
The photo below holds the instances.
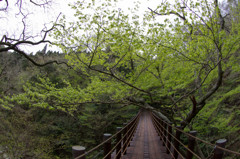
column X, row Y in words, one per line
column 156, row 127
column 101, row 144
column 126, row 140
column 213, row 145
column 122, row 139
column 168, row 140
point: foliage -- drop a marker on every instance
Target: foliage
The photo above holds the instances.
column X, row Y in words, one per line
column 35, row 124
column 218, row 116
column 20, row 136
column 180, row 58
column 117, row 60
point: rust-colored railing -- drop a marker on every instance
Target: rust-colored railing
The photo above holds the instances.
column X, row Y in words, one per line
column 122, row 139
column 170, row 137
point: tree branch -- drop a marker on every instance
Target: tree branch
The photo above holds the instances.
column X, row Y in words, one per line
column 13, row 44
column 38, row 64
column 177, row 14
column 169, row 13
column 90, row 102
column 5, row 8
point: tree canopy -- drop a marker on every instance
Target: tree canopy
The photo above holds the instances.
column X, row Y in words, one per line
column 129, row 59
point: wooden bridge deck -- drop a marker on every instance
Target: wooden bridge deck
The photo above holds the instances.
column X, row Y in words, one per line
column 146, row 144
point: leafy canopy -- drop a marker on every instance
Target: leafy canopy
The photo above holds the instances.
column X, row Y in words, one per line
column 129, row 59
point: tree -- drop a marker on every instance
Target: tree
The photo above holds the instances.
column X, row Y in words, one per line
column 141, row 63
column 17, row 40
column 196, row 42
column 21, row 5
column 20, row 136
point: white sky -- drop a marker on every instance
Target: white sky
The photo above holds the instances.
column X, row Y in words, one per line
column 11, row 24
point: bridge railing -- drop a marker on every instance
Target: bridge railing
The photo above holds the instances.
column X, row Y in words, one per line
column 121, row 139
column 170, row 137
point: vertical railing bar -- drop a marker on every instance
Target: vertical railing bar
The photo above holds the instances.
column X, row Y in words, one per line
column 164, row 133
column 191, row 144
column 125, row 137
column 78, row 151
column 169, row 137
column 218, row 153
column 118, row 147
column 107, row 145
column 176, row 143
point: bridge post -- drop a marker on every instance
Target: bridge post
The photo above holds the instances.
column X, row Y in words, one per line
column 176, row 143
column 78, row 151
column 129, row 133
column 133, row 129
column 164, row 133
column 118, row 147
column 125, row 138
column 107, row 146
column 218, row 153
column 161, row 128
column 191, row 143
column 156, row 123
column 169, row 137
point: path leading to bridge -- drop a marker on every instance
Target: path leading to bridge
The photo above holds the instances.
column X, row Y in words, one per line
column 146, row 143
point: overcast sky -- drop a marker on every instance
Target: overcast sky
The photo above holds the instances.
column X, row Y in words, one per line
column 11, row 24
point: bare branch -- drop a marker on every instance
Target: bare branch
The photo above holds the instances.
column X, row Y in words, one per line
column 46, row 2
column 171, row 12
column 13, row 44
column 34, row 62
column 91, row 102
column 5, row 8
column 177, row 14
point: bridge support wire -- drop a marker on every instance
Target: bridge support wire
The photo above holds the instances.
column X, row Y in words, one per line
column 159, row 129
column 218, row 148
column 169, row 135
column 132, row 123
column 129, row 135
column 176, row 139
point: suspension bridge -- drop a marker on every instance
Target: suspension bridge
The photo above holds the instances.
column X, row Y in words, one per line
column 147, row 136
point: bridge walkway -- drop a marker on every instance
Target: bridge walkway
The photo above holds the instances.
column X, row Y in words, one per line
column 146, row 143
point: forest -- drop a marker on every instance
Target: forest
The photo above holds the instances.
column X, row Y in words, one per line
column 180, row 60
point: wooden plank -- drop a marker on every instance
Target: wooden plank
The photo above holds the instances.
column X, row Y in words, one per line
column 146, row 143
